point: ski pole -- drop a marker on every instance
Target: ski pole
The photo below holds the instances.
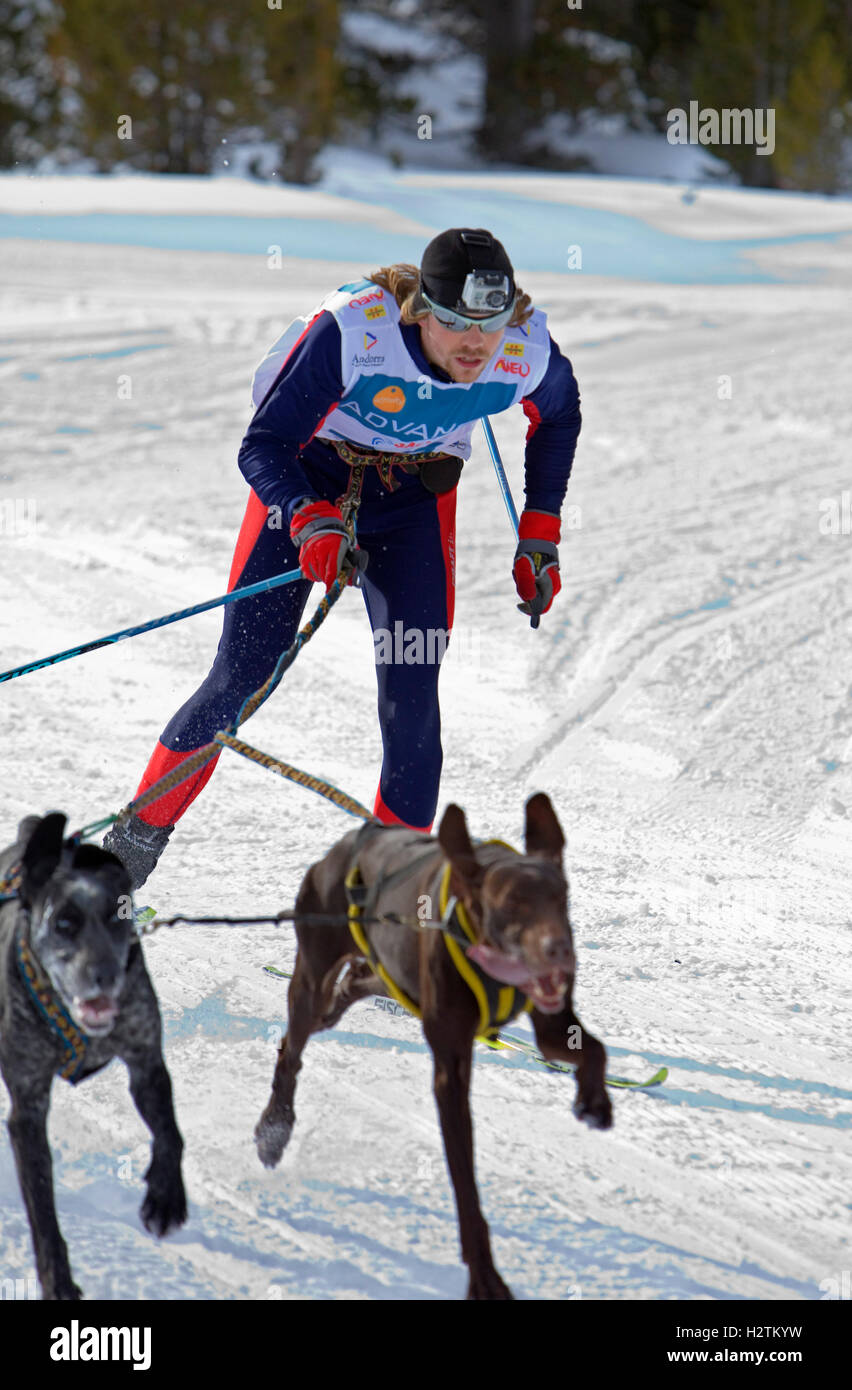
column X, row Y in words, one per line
column 261, row 587
column 504, row 488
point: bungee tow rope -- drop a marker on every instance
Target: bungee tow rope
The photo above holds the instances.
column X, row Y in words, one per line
column 349, row 503
column 226, row 738
column 146, row 922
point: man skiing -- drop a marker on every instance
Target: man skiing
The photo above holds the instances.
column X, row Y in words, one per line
column 365, row 409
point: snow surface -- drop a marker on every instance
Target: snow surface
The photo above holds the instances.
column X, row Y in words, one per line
column 629, row 228
column 686, row 705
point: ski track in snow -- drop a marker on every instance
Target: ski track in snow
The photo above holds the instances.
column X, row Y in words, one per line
column 687, row 706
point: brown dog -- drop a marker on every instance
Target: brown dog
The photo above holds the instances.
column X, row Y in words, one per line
column 514, row 913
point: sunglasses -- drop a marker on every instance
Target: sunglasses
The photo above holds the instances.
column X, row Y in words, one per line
column 457, row 323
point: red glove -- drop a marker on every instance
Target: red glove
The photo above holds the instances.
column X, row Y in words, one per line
column 317, row 529
column 536, row 567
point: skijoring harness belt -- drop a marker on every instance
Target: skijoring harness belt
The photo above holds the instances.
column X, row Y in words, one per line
column 437, row 472
column 497, row 1003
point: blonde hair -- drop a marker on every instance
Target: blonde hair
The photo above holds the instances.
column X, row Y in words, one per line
column 403, row 282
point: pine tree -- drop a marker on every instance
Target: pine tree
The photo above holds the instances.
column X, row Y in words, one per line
column 663, row 39
column 29, row 93
column 302, row 81
column 542, row 58
column 811, row 120
column 777, row 55
column 154, row 85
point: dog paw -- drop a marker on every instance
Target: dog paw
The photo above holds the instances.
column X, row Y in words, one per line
column 594, row 1110
column 272, row 1135
column 164, row 1207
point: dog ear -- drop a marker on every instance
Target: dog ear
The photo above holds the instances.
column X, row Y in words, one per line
column 456, row 844
column 92, row 857
column 543, row 834
column 26, row 828
column 42, row 853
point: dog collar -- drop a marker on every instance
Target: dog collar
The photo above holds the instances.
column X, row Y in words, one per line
column 10, row 884
column 53, row 1011
column 497, row 1003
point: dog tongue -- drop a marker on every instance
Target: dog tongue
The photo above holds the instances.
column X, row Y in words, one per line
column 99, row 1010
column 547, row 991
column 510, row 972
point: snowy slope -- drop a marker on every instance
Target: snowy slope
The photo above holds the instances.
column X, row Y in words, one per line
column 637, row 229
column 686, row 705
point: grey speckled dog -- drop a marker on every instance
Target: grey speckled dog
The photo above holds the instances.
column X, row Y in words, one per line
column 74, row 994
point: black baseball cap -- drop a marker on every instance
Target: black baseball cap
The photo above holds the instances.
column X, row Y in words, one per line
column 452, row 256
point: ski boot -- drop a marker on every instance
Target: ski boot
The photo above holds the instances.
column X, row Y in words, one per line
column 138, row 846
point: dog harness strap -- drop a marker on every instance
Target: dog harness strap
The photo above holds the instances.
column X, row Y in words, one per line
column 367, row 897
column 354, row 883
column 498, row 1003
column 357, row 891
column 43, row 995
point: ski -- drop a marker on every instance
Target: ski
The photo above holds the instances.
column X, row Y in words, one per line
column 142, row 915
column 509, row 1043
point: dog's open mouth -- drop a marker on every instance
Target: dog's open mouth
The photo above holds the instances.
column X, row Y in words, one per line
column 96, row 1015
column 547, row 990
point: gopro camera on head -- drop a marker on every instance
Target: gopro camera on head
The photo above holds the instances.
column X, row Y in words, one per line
column 485, row 291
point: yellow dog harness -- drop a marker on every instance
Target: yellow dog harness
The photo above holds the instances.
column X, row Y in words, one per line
column 497, row 1003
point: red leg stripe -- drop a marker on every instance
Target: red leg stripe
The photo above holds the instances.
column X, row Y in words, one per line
column 387, row 817
column 168, row 809
column 447, row 523
column 254, row 520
